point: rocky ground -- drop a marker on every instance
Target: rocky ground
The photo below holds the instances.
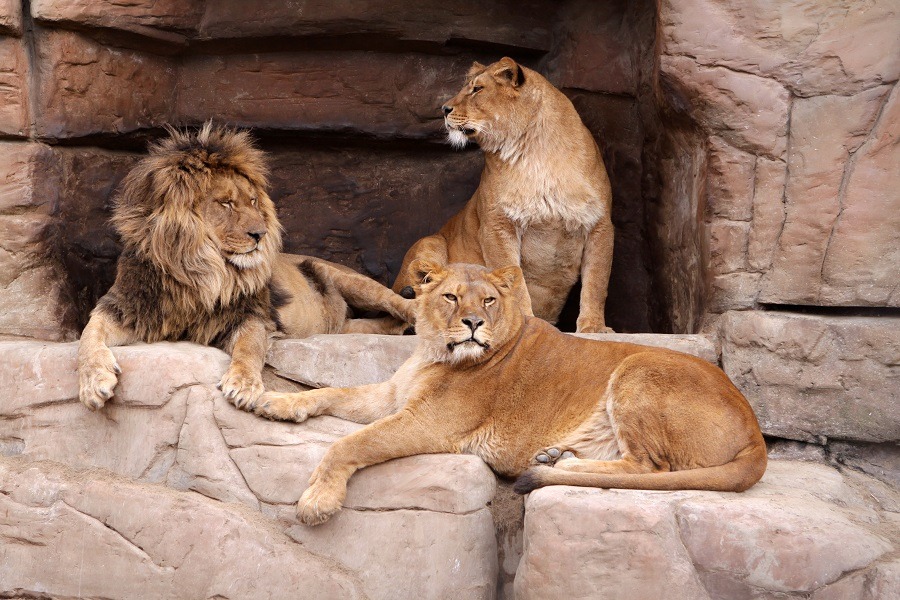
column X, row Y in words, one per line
column 170, row 491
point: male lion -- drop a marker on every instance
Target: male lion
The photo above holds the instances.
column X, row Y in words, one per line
column 489, row 380
column 544, row 199
column 200, row 262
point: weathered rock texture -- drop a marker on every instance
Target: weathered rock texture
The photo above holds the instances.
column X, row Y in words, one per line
column 804, row 529
column 170, row 491
column 813, row 378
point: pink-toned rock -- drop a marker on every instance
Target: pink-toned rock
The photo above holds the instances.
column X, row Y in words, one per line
column 733, row 291
column 340, row 360
column 412, row 554
column 136, row 16
column 167, row 424
column 861, row 264
column 801, row 528
column 90, row 534
column 811, row 378
column 380, row 95
column 747, row 111
column 768, row 212
column 10, row 17
column 85, row 88
column 14, row 112
column 825, row 130
column 524, row 25
column 813, row 47
column 731, row 179
column 728, row 246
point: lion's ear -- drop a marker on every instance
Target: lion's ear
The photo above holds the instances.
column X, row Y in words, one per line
column 424, row 271
column 509, row 71
column 476, row 68
column 510, row 280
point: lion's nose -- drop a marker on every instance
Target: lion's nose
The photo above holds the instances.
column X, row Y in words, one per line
column 473, row 322
column 257, row 235
column 447, row 109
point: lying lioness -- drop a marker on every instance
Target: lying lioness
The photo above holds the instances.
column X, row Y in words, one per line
column 511, row 389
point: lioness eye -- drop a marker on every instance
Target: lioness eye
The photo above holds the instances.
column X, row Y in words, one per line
column 490, row 300
column 226, row 203
column 449, row 297
column 477, row 88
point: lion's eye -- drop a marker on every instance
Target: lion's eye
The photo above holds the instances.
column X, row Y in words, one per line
column 477, row 88
column 227, row 204
column 449, row 297
column 490, row 300
column 253, row 201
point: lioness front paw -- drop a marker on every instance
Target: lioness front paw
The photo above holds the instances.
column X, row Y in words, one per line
column 550, row 456
column 319, row 502
column 97, row 378
column 280, row 406
column 241, row 386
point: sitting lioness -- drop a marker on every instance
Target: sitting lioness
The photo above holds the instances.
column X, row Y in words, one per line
column 201, row 263
column 544, row 199
column 489, row 380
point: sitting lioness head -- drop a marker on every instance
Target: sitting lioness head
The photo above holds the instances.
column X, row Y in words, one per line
column 465, row 313
column 491, row 107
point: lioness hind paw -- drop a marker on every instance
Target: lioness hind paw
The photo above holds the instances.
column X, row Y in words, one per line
column 549, row 456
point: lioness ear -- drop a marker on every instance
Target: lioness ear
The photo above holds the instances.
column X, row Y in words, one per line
column 476, row 68
column 424, row 271
column 510, row 71
column 510, row 280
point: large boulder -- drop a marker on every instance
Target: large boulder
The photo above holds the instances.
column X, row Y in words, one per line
column 799, row 531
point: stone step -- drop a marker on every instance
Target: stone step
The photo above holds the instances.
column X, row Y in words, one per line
column 804, row 531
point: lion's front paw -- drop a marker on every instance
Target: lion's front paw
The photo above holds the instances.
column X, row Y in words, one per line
column 319, row 502
column 241, row 386
column 97, row 378
column 297, row 406
column 588, row 325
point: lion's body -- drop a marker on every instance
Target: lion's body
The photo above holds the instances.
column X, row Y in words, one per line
column 544, row 199
column 511, row 388
column 201, row 263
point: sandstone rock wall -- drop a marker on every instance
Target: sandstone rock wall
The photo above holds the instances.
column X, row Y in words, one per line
column 344, row 97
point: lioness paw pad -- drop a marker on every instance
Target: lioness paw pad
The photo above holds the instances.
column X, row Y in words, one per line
column 549, row 456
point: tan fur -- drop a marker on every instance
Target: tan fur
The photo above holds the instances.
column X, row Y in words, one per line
column 544, row 200
column 489, row 380
column 201, row 262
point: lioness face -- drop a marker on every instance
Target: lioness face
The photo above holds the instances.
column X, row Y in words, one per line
column 465, row 311
column 485, row 108
column 232, row 208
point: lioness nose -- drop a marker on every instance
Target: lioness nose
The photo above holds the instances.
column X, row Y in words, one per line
column 447, row 109
column 473, row 322
column 257, row 235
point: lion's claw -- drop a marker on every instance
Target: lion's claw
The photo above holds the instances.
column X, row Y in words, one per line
column 318, row 503
column 97, row 378
column 240, row 387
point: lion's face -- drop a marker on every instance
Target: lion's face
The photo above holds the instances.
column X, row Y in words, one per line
column 466, row 312
column 196, row 207
column 487, row 109
column 231, row 209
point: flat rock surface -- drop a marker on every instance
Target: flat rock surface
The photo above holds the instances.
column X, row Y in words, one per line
column 804, row 529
